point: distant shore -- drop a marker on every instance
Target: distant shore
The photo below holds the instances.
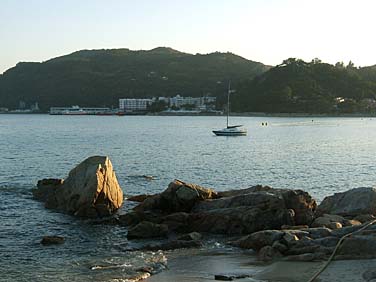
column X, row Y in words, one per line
column 245, row 114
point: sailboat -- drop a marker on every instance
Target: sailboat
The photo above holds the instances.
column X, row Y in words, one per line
column 230, row 130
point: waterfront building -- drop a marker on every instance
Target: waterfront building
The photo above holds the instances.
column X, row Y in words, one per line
column 133, row 105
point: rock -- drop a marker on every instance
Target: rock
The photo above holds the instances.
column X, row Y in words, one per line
column 369, row 275
column 268, row 253
column 319, row 232
column 139, row 198
column 46, row 187
column 282, row 248
column 259, row 239
column 350, row 203
column 177, row 221
column 52, row 240
column 239, row 220
column 146, row 229
column 193, row 236
column 303, row 205
column 334, row 225
column 91, row 190
column 178, row 197
column 365, row 218
column 264, row 197
column 181, row 196
column 359, row 246
column 289, row 238
column 294, row 227
column 130, row 218
column 307, row 257
column 230, row 277
column 173, row 245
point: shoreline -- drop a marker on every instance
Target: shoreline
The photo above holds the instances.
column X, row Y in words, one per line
column 245, row 114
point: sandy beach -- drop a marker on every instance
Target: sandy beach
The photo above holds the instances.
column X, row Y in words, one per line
column 202, row 266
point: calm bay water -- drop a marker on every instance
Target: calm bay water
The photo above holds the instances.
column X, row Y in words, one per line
column 321, row 156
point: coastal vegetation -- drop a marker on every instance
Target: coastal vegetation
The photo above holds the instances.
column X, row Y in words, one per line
column 296, row 86
column 102, row 77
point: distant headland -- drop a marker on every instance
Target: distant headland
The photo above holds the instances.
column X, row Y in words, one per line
column 99, row 78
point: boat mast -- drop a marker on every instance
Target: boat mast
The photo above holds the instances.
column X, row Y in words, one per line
column 228, row 100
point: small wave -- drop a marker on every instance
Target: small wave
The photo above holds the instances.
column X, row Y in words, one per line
column 96, row 267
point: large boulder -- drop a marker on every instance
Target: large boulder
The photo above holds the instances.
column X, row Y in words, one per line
column 299, row 201
column 178, row 197
column 91, row 190
column 354, row 202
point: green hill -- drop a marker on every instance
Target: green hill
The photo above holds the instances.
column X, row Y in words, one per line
column 101, row 77
column 298, row 86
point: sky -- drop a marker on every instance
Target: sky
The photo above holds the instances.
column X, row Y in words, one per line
column 266, row 31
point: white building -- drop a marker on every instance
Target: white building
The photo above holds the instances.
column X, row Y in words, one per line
column 131, row 105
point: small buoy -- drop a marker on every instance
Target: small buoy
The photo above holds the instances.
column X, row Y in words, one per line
column 262, row 124
column 266, row 124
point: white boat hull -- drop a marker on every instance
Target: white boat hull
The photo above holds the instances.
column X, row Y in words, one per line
column 230, row 132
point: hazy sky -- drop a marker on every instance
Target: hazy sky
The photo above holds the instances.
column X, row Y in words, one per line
column 268, row 31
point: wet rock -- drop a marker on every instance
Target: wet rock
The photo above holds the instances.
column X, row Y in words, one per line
column 52, row 240
column 91, row 190
column 193, row 236
column 173, row 245
column 146, row 229
column 369, row 275
column 307, row 257
column 259, row 239
column 139, row 198
column 350, row 203
column 268, row 253
column 282, row 248
column 46, row 188
column 230, row 277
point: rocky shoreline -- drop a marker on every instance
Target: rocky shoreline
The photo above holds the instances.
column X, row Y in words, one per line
column 277, row 224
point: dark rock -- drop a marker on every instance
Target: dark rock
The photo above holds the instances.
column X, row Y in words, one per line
column 259, row 239
column 318, row 232
column 46, row 187
column 177, row 221
column 229, row 277
column 350, row 203
column 239, row 220
column 173, row 245
column 52, row 240
column 365, row 218
column 139, row 198
column 369, row 275
column 193, row 236
column 359, row 246
column 146, row 229
column 307, row 257
column 263, row 196
column 268, row 253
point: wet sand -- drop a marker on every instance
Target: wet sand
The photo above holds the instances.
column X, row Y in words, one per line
column 202, row 266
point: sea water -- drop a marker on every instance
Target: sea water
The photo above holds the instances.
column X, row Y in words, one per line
column 319, row 155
